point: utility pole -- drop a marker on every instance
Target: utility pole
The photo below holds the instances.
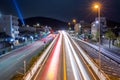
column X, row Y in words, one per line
column 24, row 67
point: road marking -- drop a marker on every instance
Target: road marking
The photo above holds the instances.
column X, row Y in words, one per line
column 64, row 64
column 21, row 57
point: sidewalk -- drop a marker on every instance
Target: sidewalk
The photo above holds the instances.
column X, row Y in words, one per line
column 113, row 49
column 4, row 51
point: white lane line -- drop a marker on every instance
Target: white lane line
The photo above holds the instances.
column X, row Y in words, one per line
column 71, row 59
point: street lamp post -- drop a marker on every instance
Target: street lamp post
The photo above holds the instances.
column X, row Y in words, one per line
column 97, row 6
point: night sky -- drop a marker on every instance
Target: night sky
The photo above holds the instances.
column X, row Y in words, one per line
column 64, row 10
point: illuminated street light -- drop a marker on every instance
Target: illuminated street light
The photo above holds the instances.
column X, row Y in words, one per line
column 97, row 22
column 74, row 21
column 38, row 24
column 69, row 23
column 98, row 7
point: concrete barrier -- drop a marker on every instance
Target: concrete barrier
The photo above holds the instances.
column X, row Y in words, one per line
column 32, row 71
column 99, row 73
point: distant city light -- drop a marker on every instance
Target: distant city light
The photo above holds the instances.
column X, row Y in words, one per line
column 97, row 22
column 93, row 24
column 19, row 12
column 27, row 25
column 38, row 24
column 69, row 23
column 79, row 26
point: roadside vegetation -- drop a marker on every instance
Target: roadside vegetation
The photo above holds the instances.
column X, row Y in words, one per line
column 113, row 77
column 112, row 38
column 118, row 41
column 17, row 76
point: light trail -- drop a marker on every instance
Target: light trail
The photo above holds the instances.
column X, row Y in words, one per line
column 75, row 72
column 82, row 69
column 51, row 66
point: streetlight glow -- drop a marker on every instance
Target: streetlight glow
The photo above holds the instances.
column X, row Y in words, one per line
column 69, row 23
column 74, row 21
column 96, row 6
column 97, row 22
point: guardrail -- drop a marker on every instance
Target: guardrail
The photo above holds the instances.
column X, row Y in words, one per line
column 108, row 54
column 99, row 73
column 32, row 71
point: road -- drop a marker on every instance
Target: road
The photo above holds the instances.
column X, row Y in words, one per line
column 77, row 68
column 65, row 63
column 50, row 69
column 14, row 61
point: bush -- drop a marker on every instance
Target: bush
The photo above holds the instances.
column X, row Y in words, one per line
column 113, row 77
column 34, row 58
column 17, row 77
column 118, row 42
column 32, row 61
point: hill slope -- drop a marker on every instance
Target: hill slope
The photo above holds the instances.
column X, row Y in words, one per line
column 56, row 24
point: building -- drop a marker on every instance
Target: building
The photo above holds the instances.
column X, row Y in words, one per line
column 114, row 26
column 27, row 28
column 85, row 27
column 9, row 25
column 95, row 27
column 77, row 28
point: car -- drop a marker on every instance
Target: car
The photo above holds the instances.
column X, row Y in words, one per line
column 28, row 36
column 9, row 39
column 21, row 39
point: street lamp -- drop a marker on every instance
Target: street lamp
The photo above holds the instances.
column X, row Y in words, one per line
column 38, row 25
column 69, row 25
column 98, row 7
column 74, row 21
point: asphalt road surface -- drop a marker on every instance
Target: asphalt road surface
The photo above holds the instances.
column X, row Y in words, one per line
column 77, row 68
column 50, row 70
column 65, row 63
column 14, row 60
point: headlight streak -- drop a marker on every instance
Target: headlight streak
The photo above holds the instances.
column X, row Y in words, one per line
column 81, row 67
column 50, row 69
column 75, row 72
